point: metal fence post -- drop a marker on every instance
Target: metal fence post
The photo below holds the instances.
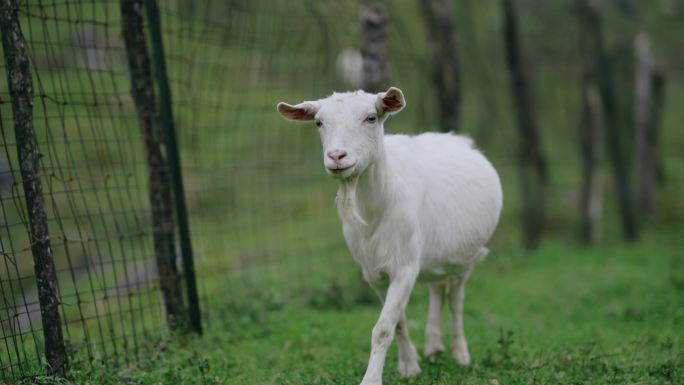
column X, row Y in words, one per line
column 21, row 93
column 174, row 162
column 161, row 200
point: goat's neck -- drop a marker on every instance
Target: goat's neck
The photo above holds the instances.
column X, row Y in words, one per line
column 370, row 192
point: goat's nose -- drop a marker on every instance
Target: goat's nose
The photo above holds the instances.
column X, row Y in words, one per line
column 337, row 155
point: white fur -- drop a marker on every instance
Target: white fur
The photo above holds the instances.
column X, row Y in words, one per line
column 410, row 206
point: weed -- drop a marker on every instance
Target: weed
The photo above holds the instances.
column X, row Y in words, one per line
column 501, row 355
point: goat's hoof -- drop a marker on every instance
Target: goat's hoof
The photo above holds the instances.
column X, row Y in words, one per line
column 364, row 382
column 434, row 350
column 434, row 357
column 408, row 369
column 461, row 356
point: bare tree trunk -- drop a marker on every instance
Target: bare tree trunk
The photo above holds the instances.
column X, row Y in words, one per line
column 591, row 148
column 659, row 83
column 374, row 18
column 592, row 138
column 647, row 105
column 446, row 77
column 532, row 163
column 602, row 71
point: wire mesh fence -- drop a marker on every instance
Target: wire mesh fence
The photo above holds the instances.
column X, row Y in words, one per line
column 226, row 62
column 93, row 174
column 259, row 172
column 261, row 213
column 262, row 217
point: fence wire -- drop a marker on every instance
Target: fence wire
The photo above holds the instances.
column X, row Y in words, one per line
column 262, row 211
column 246, row 168
column 93, row 175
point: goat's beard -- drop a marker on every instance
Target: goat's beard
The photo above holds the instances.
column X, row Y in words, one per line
column 347, row 201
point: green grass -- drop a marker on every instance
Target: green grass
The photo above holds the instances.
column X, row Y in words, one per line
column 561, row 315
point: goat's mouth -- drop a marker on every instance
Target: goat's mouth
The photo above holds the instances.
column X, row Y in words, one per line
column 339, row 171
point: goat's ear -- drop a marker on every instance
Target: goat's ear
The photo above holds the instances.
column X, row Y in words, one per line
column 304, row 111
column 391, row 101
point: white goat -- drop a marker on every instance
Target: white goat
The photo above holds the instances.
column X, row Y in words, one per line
column 409, row 205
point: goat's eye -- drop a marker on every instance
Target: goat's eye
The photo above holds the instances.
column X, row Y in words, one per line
column 371, row 119
column 319, row 123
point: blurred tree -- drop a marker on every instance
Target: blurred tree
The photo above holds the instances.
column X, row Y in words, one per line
column 591, row 153
column 601, row 70
column 592, row 140
column 374, row 18
column 439, row 21
column 648, row 100
column 533, row 169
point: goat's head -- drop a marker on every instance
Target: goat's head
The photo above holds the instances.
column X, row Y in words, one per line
column 350, row 125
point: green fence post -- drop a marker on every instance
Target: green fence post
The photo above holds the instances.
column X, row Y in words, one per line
column 174, row 162
column 160, row 185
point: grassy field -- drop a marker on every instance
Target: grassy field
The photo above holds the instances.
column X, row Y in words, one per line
column 561, row 315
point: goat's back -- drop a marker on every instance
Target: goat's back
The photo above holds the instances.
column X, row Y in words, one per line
column 453, row 187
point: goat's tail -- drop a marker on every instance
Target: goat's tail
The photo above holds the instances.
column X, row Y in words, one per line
column 480, row 255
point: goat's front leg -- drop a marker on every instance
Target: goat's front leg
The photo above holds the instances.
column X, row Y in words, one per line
column 408, row 356
column 393, row 309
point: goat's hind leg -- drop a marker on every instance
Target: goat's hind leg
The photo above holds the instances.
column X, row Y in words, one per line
column 433, row 330
column 459, row 344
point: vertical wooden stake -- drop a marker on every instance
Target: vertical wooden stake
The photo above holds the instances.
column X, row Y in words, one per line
column 174, row 162
column 21, row 93
column 161, row 199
